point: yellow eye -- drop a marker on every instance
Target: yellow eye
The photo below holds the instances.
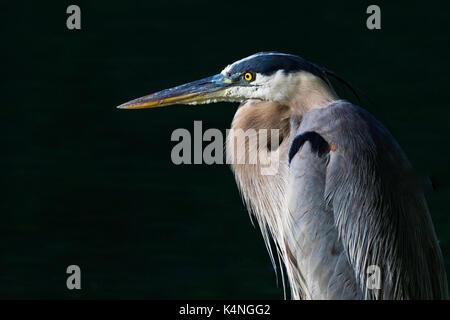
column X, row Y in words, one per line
column 248, row 76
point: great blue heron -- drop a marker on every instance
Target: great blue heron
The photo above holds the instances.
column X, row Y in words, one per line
column 344, row 201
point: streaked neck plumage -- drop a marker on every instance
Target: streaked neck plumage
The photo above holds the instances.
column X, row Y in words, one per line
column 269, row 208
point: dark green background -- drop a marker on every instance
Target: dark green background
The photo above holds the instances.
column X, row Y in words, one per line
column 84, row 183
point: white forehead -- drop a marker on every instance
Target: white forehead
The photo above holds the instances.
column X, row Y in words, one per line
column 230, row 66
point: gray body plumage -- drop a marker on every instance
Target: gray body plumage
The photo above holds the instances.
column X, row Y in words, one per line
column 357, row 204
column 345, row 198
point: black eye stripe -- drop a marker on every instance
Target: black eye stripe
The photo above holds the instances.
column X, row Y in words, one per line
column 267, row 63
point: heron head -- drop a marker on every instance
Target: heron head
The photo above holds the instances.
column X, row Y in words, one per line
column 268, row 76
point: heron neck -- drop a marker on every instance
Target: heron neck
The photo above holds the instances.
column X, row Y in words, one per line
column 312, row 93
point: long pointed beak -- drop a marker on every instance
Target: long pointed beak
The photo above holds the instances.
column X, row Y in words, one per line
column 200, row 91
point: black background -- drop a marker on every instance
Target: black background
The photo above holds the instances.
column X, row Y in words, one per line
column 84, row 183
